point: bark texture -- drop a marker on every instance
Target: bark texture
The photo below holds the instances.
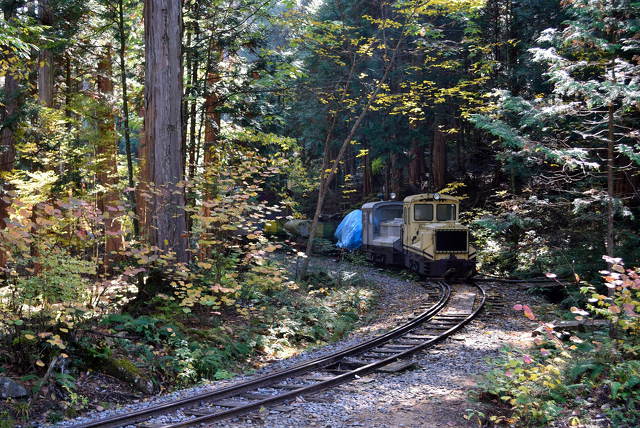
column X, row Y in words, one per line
column 397, row 174
column 609, row 241
column 107, row 161
column 211, row 132
column 162, row 169
column 438, row 158
column 45, row 59
column 212, row 115
column 7, row 138
column 367, row 182
column 416, row 164
column 122, row 36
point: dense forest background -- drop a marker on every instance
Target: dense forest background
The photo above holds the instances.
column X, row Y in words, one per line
column 145, row 145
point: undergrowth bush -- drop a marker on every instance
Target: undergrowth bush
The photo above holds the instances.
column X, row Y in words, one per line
column 513, row 236
column 270, row 317
column 571, row 381
column 77, row 292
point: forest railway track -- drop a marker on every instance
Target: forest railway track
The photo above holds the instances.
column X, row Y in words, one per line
column 447, row 315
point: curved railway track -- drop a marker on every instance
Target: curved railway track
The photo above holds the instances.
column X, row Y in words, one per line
column 437, row 322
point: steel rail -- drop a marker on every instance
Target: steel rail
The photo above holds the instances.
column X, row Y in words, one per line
column 339, row 379
column 136, row 416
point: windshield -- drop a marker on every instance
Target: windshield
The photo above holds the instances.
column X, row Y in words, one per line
column 423, row 212
column 445, row 212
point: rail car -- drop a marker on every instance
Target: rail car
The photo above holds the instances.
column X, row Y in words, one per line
column 421, row 233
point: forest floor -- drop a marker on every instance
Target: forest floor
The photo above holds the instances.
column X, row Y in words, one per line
column 434, row 393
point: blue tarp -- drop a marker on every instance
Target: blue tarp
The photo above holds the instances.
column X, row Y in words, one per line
column 349, row 231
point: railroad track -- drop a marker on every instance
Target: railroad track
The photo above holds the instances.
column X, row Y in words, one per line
column 436, row 322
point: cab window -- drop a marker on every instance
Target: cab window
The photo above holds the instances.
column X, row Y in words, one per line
column 445, row 212
column 423, row 212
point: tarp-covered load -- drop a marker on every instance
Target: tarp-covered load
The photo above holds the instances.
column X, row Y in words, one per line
column 349, row 231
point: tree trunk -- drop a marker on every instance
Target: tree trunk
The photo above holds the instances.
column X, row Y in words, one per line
column 416, row 164
column 163, row 168
column 45, row 59
column 68, row 93
column 107, row 162
column 610, row 181
column 142, row 196
column 212, row 116
column 45, row 78
column 125, row 116
column 185, row 106
column 397, row 176
column 211, row 132
column 438, row 158
column 367, row 182
column 7, row 141
column 192, row 120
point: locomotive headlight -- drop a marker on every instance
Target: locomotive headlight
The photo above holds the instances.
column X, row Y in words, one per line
column 436, row 196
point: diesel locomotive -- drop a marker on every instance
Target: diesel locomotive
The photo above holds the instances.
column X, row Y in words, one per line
column 421, row 233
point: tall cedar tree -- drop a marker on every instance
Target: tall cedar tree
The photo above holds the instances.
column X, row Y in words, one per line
column 163, row 214
column 7, row 132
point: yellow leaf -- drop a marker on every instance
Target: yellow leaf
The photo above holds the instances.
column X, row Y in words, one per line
column 29, row 336
column 39, row 363
column 205, row 265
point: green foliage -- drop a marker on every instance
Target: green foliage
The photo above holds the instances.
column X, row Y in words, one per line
column 274, row 317
column 550, row 143
column 554, row 381
column 62, row 279
column 6, row 420
column 53, row 417
column 356, row 257
column 323, row 246
column 19, row 39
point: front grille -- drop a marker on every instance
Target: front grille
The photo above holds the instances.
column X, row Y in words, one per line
column 449, row 241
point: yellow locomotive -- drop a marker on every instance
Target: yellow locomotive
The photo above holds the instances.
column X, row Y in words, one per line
column 422, row 233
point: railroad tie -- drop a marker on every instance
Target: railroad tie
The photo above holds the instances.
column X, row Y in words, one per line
column 339, row 371
column 436, row 327
column 255, row 396
column 288, row 386
column 397, row 366
column 354, row 363
column 450, row 317
column 423, row 337
column 318, row 378
column 197, row 412
column 230, row 403
column 387, row 350
column 381, row 351
column 408, row 341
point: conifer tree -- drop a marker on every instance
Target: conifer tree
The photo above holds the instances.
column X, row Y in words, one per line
column 578, row 133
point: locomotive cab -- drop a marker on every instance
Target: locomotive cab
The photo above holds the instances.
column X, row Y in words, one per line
column 434, row 242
